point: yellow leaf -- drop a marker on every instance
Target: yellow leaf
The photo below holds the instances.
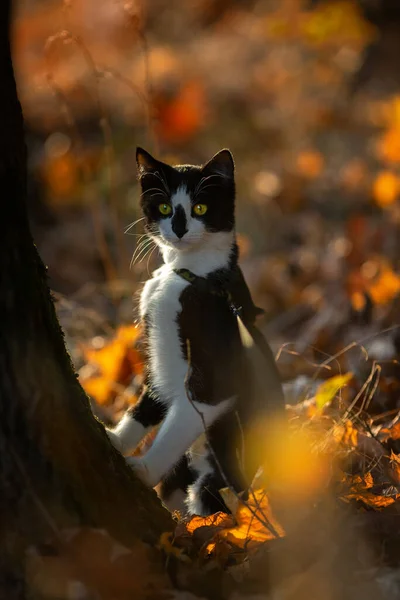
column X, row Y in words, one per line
column 339, row 21
column 329, row 388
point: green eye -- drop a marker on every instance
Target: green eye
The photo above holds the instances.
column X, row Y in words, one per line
column 165, row 209
column 200, row 209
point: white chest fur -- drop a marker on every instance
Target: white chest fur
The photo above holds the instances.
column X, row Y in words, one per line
column 160, row 302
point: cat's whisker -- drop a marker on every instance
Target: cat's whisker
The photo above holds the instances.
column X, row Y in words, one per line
column 149, row 258
column 203, row 180
column 201, row 190
column 138, row 235
column 140, row 246
column 159, row 176
column 154, row 189
column 133, row 224
column 158, row 193
column 141, row 257
column 143, row 252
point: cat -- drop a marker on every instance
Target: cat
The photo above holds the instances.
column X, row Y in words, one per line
column 199, row 383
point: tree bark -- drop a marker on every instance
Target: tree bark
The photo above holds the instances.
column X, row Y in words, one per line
column 57, row 467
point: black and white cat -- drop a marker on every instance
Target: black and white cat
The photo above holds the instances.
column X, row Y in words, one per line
column 190, row 213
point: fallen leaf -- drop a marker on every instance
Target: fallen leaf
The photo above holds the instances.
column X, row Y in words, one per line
column 310, row 163
column 345, row 434
column 360, row 490
column 392, row 433
column 389, row 145
column 386, row 188
column 386, row 287
column 98, row 563
column 181, row 117
column 117, row 361
column 329, row 388
column 255, row 522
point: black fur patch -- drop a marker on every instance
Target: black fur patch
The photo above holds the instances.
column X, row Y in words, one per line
column 179, row 478
column 148, row 410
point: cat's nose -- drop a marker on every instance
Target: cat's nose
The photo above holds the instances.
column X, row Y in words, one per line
column 179, row 231
column 179, row 222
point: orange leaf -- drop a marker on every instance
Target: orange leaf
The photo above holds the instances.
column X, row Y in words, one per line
column 389, row 147
column 346, row 434
column 392, row 433
column 181, row 118
column 360, row 491
column 117, row 361
column 310, row 163
column 220, row 519
column 386, row 188
column 255, row 522
column 386, row 286
column 252, row 524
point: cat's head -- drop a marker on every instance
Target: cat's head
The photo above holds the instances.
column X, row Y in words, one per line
column 184, row 205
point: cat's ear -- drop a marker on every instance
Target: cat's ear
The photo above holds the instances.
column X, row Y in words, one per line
column 145, row 162
column 221, row 164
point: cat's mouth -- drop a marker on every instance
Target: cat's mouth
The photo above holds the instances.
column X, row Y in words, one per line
column 181, row 243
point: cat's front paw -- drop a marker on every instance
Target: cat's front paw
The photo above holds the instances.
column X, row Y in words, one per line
column 115, row 440
column 138, row 464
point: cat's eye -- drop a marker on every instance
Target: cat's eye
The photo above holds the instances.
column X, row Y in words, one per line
column 165, row 209
column 200, row 209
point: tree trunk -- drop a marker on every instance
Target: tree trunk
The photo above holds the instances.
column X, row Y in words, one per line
column 57, row 467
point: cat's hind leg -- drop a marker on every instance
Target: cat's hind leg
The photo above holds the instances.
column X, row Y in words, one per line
column 173, row 488
column 203, row 496
column 148, row 412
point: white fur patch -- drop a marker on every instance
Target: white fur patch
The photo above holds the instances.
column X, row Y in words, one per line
column 127, row 435
column 182, row 197
column 199, row 461
column 211, row 253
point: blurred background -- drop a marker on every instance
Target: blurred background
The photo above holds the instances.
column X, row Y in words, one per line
column 306, row 94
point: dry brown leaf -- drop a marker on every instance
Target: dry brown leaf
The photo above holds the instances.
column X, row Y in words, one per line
column 91, row 561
